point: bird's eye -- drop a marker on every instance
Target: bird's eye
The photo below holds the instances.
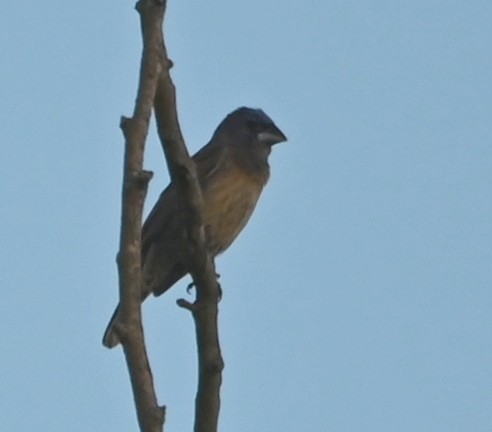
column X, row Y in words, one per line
column 253, row 126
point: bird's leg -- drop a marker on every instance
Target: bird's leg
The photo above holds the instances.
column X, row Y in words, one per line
column 219, row 288
column 191, row 285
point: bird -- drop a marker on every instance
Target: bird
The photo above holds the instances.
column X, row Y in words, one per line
column 232, row 171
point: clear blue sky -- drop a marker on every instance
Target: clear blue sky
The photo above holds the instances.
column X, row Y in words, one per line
column 358, row 298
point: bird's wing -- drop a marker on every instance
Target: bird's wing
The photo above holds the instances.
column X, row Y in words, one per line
column 161, row 218
column 165, row 216
column 209, row 159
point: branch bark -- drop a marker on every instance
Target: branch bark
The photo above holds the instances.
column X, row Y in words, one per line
column 156, row 89
column 202, row 267
column 135, row 180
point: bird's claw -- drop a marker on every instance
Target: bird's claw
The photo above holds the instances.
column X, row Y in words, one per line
column 190, row 286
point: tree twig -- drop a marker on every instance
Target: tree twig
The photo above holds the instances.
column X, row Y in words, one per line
column 156, row 88
column 135, row 180
column 205, row 309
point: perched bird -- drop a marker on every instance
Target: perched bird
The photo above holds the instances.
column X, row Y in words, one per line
column 232, row 171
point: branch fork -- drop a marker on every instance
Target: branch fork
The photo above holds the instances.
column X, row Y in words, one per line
column 156, row 91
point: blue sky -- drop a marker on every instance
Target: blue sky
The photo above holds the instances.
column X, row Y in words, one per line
column 359, row 296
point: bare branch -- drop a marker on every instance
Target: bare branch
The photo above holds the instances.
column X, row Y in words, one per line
column 205, row 309
column 156, row 89
column 135, row 180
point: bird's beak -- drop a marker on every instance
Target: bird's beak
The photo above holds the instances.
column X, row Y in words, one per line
column 271, row 135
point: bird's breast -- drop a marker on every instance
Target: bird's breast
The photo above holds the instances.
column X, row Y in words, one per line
column 229, row 201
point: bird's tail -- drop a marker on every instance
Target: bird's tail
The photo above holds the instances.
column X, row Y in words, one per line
column 111, row 338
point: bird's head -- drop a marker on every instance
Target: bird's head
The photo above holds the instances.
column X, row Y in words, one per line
column 254, row 127
column 250, row 134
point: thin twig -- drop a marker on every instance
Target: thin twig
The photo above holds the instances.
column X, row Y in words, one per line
column 202, row 267
column 135, row 180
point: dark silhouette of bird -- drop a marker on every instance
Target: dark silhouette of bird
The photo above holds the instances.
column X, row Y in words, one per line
column 232, row 171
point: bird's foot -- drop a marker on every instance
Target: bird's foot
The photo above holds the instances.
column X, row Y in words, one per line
column 191, row 285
